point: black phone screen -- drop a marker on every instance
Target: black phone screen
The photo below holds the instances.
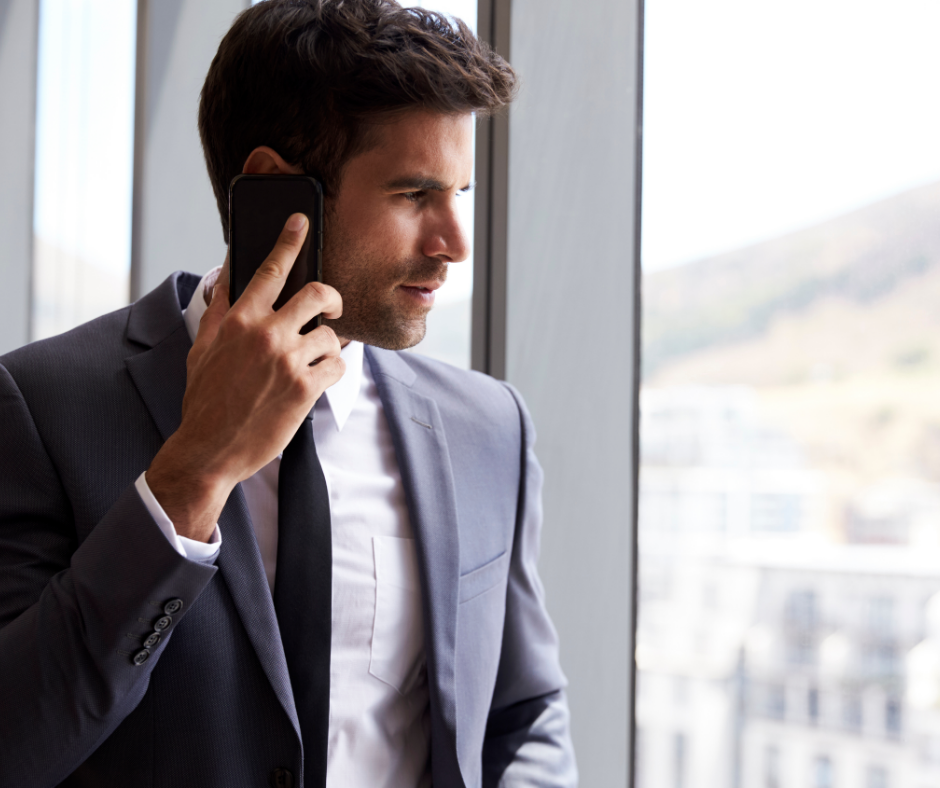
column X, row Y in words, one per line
column 259, row 206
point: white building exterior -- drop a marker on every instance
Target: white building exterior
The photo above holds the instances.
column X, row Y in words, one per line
column 769, row 655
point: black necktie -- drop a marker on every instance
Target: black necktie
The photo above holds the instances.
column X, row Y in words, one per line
column 303, row 592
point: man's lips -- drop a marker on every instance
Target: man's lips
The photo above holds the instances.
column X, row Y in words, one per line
column 422, row 292
column 427, row 286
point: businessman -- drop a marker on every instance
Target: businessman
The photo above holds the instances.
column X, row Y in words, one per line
column 234, row 554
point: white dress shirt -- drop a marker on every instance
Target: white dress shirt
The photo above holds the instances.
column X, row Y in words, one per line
column 379, row 717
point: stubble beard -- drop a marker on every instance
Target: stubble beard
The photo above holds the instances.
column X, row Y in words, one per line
column 374, row 311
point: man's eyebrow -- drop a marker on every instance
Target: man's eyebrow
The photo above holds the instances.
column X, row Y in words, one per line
column 415, row 183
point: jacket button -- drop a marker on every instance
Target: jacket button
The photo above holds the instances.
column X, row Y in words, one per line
column 281, row 778
column 141, row 657
column 173, row 607
column 152, row 640
column 162, row 623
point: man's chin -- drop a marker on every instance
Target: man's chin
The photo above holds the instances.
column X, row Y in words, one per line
column 398, row 335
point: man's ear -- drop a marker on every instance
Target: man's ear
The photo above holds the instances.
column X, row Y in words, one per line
column 267, row 161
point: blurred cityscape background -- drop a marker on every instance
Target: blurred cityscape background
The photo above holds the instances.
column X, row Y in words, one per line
column 789, row 526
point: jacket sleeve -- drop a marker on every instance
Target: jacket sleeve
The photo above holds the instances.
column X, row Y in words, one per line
column 72, row 617
column 528, row 742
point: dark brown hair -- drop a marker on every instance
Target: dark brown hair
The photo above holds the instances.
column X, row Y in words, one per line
column 312, row 78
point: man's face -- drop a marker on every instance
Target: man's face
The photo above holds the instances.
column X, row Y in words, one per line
column 392, row 229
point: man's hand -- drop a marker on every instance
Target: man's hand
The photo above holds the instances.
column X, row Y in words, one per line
column 251, row 380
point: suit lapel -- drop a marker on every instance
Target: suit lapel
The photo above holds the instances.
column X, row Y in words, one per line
column 424, row 461
column 160, row 377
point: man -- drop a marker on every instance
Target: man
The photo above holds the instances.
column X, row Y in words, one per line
column 191, row 593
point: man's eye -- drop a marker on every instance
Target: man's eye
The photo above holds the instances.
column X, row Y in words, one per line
column 413, row 196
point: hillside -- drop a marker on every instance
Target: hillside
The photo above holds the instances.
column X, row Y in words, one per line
column 838, row 329
column 803, row 305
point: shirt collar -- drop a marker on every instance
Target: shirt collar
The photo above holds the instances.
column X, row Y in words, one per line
column 193, row 313
column 341, row 396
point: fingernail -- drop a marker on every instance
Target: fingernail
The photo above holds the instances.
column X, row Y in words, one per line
column 212, row 298
column 297, row 222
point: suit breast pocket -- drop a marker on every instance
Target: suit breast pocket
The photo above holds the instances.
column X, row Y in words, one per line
column 397, row 631
column 484, row 578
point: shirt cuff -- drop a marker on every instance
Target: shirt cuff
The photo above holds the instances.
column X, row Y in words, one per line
column 186, row 547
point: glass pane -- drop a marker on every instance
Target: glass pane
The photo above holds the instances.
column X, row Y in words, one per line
column 84, row 161
column 789, row 619
column 448, row 337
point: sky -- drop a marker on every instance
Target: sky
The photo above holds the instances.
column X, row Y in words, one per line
column 762, row 117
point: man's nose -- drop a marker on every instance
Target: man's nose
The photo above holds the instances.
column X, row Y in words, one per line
column 448, row 239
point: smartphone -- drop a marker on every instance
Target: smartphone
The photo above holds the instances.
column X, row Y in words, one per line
column 258, row 209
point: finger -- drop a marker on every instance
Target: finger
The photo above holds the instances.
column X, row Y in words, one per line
column 268, row 281
column 314, row 298
column 319, row 344
column 327, row 372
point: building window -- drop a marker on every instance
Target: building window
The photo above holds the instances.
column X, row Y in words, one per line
column 881, row 616
column 771, row 767
column 852, row 711
column 800, row 619
column 893, row 715
column 679, row 757
column 876, row 777
column 822, row 772
column 776, row 704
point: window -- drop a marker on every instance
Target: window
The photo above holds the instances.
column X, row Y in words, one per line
column 881, row 616
column 876, row 777
column 893, row 715
column 800, row 627
column 822, row 772
column 771, row 767
column 776, row 705
column 680, row 754
column 84, row 161
column 789, row 423
column 448, row 335
column 851, row 711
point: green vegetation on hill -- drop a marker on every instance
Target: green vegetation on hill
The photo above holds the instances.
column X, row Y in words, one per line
column 737, row 300
column 837, row 327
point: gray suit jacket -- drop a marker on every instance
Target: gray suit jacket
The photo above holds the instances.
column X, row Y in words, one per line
column 84, row 571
